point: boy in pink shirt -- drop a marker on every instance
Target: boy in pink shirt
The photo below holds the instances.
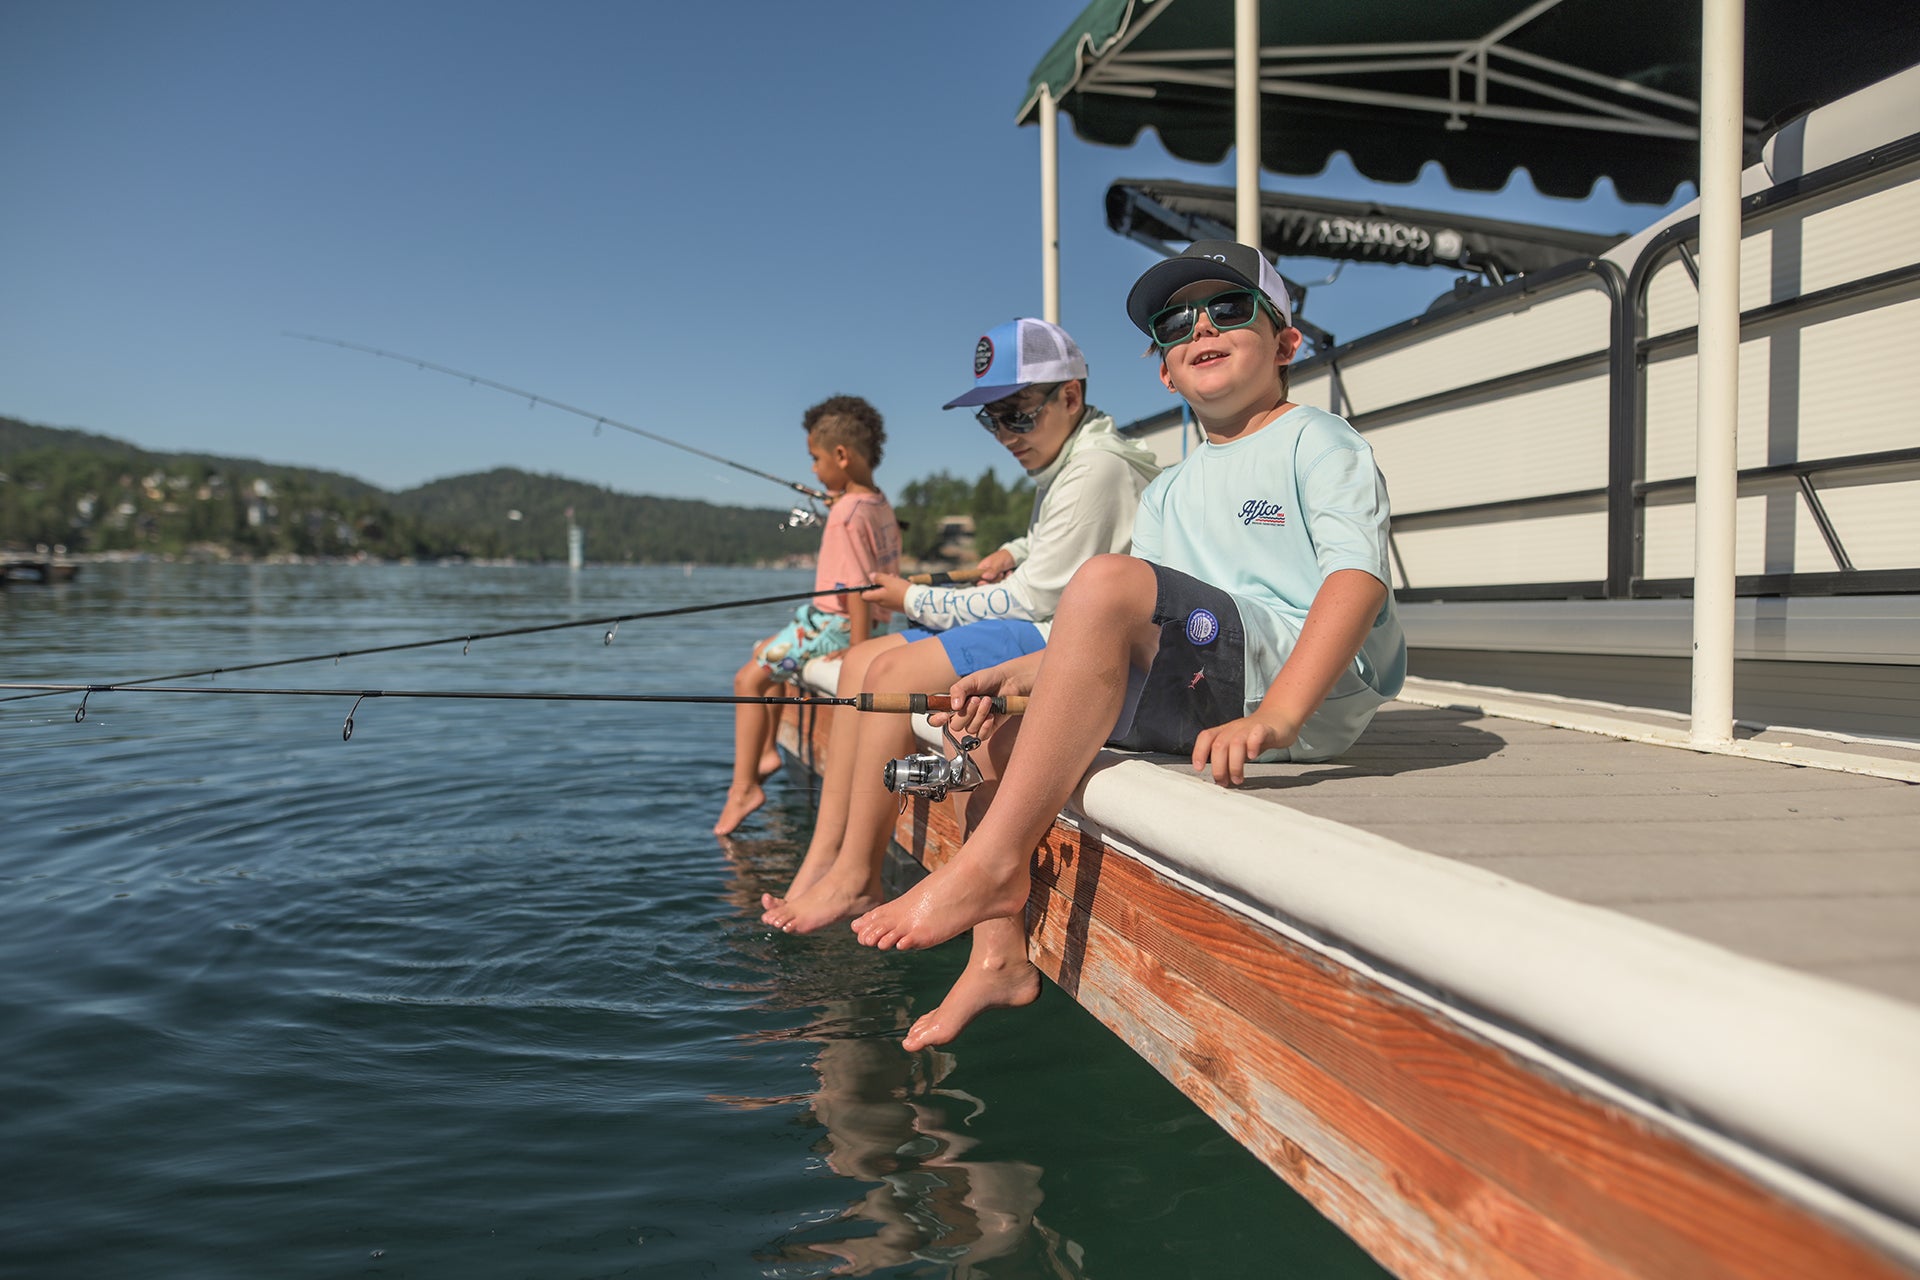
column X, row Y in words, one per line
column 845, row 436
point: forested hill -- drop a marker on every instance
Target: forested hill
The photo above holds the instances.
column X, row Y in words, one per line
column 18, row 438
column 91, row 493
column 619, row 526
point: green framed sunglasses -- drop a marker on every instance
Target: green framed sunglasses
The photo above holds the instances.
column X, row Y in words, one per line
column 1229, row 309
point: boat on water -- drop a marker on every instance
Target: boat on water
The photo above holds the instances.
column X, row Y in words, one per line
column 1540, row 978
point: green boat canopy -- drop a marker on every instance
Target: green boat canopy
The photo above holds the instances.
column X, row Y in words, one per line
column 1572, row 91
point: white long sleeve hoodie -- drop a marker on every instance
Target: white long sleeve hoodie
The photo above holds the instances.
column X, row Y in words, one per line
column 1083, row 506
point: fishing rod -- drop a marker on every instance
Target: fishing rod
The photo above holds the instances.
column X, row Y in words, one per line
column 888, row 703
column 797, row 517
column 467, row 640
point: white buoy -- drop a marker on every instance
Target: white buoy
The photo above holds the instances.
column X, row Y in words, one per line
column 576, row 543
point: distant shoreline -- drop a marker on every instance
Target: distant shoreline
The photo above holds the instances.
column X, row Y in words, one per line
column 289, row 558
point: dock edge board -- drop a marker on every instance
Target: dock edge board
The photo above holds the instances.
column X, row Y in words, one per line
column 1435, row 1143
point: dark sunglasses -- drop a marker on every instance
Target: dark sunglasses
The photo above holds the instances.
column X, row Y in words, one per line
column 1234, row 309
column 1018, row 423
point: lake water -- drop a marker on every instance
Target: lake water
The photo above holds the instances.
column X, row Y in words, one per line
column 477, row 994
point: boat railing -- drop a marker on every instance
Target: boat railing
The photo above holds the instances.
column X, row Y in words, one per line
column 1546, row 346
column 1849, row 290
column 1564, row 470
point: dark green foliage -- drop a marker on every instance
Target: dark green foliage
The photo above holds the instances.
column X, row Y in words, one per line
column 619, row 527
column 94, row 493
column 999, row 513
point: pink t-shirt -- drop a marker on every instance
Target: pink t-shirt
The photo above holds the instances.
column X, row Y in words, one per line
column 861, row 539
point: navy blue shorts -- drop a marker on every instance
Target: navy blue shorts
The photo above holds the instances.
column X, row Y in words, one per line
column 975, row 646
column 1198, row 676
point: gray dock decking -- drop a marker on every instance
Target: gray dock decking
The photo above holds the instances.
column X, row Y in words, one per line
column 1806, row 868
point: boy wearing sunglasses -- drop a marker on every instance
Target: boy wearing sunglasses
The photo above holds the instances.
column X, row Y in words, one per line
column 1029, row 391
column 1253, row 619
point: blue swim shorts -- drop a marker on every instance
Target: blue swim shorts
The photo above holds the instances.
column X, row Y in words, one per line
column 813, row 633
column 975, row 646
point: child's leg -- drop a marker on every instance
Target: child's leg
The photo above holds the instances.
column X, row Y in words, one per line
column 1105, row 625
column 998, row 974
column 843, row 737
column 770, row 741
column 851, row 883
column 750, row 721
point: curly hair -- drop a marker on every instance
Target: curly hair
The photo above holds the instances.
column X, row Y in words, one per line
column 850, row 421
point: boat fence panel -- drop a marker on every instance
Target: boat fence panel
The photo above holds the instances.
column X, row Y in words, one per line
column 1527, row 444
column 1492, row 424
column 1821, row 389
column 1876, row 523
column 1761, row 548
column 1535, row 333
column 1835, row 237
column 1316, row 388
column 1538, row 438
column 1550, row 548
column 1831, row 307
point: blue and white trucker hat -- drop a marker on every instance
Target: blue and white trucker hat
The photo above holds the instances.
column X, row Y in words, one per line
column 1226, row 260
column 1018, row 354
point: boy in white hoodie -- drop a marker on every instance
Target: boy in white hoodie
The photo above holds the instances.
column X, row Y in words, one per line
column 1030, row 392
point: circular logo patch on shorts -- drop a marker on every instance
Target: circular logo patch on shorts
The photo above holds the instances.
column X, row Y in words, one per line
column 982, row 356
column 1202, row 627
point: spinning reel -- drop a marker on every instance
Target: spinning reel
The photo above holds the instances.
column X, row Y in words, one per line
column 930, row 774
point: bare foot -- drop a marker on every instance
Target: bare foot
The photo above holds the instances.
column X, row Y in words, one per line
column 956, row 897
column 827, row 902
column 769, row 765
column 816, row 864
column 741, row 801
column 995, row 982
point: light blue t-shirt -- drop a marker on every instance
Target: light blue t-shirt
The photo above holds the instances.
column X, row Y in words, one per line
column 1267, row 518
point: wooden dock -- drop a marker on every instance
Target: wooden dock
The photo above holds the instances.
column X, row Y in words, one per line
column 1507, row 998
column 18, row 569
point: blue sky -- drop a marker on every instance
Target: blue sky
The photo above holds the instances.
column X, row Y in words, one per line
column 698, row 219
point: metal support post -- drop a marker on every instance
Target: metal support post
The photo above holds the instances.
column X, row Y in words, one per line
column 1246, row 120
column 1722, row 133
column 1049, row 206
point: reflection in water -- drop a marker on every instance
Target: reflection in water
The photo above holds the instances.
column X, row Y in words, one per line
column 888, row 1122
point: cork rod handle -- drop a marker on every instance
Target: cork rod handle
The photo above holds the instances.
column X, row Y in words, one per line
column 921, row 703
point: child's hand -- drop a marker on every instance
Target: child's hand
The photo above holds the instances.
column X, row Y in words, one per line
column 976, row 691
column 995, row 566
column 1228, row 747
column 890, row 594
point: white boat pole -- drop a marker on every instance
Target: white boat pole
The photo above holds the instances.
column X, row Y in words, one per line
column 1049, row 206
column 1246, row 120
column 1722, row 86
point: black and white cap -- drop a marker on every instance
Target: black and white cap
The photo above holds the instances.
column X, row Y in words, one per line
column 1228, row 260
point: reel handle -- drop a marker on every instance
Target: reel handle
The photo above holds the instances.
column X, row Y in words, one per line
column 943, row 578
column 921, row 703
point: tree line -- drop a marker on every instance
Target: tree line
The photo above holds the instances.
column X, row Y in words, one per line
column 92, row 493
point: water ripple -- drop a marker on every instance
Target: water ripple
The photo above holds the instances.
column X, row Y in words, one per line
column 475, row 994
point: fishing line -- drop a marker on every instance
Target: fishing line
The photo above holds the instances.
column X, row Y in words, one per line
column 598, row 419
column 466, row 639
column 887, row 703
